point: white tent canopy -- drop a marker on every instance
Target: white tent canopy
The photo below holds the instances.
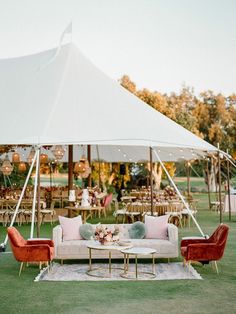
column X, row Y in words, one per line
column 59, row 97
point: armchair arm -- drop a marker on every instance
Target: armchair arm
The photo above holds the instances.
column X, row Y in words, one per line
column 202, row 251
column 35, row 253
column 38, row 241
column 172, row 233
column 193, row 241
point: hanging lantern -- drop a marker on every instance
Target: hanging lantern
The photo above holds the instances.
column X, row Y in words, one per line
column 31, row 155
column 22, row 166
column 43, row 158
column 82, row 167
column 15, row 157
column 6, row 167
column 58, row 151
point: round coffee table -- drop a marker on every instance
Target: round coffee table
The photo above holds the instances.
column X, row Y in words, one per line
column 97, row 246
column 138, row 251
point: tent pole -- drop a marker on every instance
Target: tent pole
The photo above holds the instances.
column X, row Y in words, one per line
column 151, row 179
column 219, row 178
column 188, row 180
column 179, row 194
column 21, row 196
column 35, row 192
column 208, row 184
column 38, row 202
column 99, row 168
column 70, row 174
column 228, row 185
column 89, row 160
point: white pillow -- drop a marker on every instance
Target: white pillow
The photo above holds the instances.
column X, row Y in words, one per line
column 70, row 228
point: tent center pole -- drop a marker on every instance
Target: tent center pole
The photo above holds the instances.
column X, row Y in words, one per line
column 151, row 179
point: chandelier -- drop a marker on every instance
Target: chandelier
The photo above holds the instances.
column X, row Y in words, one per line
column 15, row 157
column 82, row 167
column 31, row 155
column 58, row 151
column 22, row 166
column 6, row 167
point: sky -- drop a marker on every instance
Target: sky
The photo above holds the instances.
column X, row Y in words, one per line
column 160, row 44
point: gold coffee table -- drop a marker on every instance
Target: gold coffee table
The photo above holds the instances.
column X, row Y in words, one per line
column 137, row 251
column 109, row 248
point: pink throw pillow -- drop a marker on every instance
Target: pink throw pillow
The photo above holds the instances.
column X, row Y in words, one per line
column 156, row 227
column 70, row 228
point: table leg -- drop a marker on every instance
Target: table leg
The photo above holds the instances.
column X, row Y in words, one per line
column 153, row 264
column 110, row 262
column 90, row 259
column 136, row 266
column 125, row 264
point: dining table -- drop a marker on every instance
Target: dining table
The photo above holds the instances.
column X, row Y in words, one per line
column 86, row 212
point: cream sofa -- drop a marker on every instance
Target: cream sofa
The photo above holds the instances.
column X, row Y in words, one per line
column 77, row 249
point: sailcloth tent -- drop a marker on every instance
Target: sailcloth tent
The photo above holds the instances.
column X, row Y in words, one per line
column 62, row 98
column 59, row 97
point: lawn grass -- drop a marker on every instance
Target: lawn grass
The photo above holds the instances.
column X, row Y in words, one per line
column 214, row 294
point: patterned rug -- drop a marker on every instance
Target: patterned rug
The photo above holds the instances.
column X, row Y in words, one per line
column 78, row 272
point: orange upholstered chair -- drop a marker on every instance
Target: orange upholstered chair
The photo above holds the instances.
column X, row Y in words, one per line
column 30, row 251
column 206, row 250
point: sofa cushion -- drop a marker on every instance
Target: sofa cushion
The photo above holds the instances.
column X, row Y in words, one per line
column 137, row 230
column 156, row 227
column 70, row 228
column 86, row 231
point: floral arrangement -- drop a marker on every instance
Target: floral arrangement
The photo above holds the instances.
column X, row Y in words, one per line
column 105, row 236
column 169, row 191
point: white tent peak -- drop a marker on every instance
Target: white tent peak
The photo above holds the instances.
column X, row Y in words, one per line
column 62, row 98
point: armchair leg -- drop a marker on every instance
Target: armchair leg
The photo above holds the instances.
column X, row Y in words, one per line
column 216, row 267
column 21, row 267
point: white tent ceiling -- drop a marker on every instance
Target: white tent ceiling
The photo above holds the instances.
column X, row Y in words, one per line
column 116, row 153
column 59, row 97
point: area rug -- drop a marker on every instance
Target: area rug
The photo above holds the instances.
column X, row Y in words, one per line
column 78, row 272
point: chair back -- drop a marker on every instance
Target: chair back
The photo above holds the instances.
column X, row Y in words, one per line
column 15, row 237
column 108, row 200
column 219, row 237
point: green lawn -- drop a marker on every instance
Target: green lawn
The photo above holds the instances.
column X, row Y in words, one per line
column 214, row 294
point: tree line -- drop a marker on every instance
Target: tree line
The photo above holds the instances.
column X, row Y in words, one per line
column 211, row 116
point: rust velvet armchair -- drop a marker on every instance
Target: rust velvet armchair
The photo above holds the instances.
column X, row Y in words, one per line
column 30, row 251
column 206, row 250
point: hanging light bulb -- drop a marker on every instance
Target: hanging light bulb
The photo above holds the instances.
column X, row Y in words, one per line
column 22, row 166
column 82, row 167
column 31, row 155
column 6, row 167
column 15, row 157
column 58, row 151
column 43, row 158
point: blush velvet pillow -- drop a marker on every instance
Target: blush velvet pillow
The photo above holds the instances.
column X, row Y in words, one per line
column 70, row 228
column 156, row 227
